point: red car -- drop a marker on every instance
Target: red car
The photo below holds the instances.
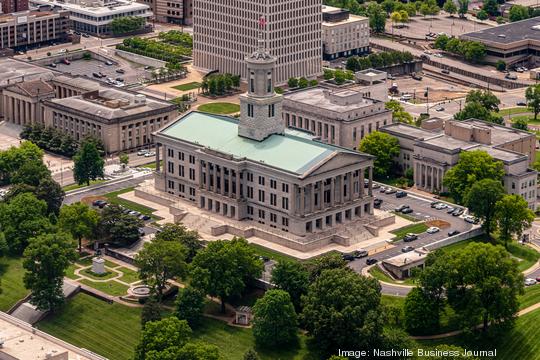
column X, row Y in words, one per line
column 538, row 279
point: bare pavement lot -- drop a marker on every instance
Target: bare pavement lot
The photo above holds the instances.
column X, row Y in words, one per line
column 419, row 26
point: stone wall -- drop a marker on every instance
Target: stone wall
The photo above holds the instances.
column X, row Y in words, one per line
column 140, row 59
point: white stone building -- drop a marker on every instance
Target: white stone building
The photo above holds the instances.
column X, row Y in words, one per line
column 343, row 34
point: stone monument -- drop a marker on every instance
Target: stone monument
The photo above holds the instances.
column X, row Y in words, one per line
column 98, row 265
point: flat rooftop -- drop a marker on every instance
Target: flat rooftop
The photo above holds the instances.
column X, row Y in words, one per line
column 104, row 105
column 412, row 131
column 528, row 29
column 504, row 155
column 119, row 6
column 288, row 152
column 17, row 71
column 499, row 134
column 21, row 341
column 408, row 258
column 78, row 82
column 316, row 97
column 448, row 143
column 350, row 19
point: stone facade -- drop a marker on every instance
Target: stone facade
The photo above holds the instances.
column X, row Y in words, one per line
column 22, row 102
column 343, row 34
column 224, row 31
column 432, row 153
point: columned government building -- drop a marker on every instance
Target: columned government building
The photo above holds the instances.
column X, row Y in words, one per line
column 224, row 31
column 253, row 169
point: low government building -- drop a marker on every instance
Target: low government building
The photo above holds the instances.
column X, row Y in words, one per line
column 283, row 183
column 340, row 117
column 431, row 153
column 343, row 34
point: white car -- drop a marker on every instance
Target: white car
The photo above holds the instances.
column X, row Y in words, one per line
column 529, row 282
column 150, row 154
column 470, row 219
column 439, row 55
column 440, row 206
column 433, row 230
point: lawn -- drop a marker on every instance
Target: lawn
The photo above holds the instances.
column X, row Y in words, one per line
column 189, row 86
column 113, row 288
column 70, row 272
column 531, row 296
column 528, row 118
column 413, row 228
column 274, row 255
column 406, row 217
column 513, row 111
column 219, row 108
column 113, row 198
column 151, row 165
column 519, row 343
column 379, row 274
column 88, row 272
column 398, row 301
column 109, row 330
column 11, row 275
column 77, row 186
column 130, row 276
column 528, row 255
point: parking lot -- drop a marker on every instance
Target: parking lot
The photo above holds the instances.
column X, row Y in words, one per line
column 131, row 74
column 422, row 211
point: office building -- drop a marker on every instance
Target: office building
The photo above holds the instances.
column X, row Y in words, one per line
column 224, row 31
column 343, row 34
column 431, row 153
column 11, row 6
column 171, row 11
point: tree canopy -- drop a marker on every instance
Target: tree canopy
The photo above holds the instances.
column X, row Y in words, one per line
column 117, row 228
column 532, row 95
column 481, row 199
column 513, row 216
column 384, row 147
column 179, row 233
column 79, row 220
column 292, row 277
column 88, row 164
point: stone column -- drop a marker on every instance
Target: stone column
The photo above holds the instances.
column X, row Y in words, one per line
column 321, row 195
column 312, row 197
column 370, row 181
column 158, row 160
column 230, row 193
column 207, row 175
column 351, row 190
column 361, row 185
column 332, row 190
column 222, row 180
column 293, row 199
column 302, row 201
column 200, row 175
column 238, row 184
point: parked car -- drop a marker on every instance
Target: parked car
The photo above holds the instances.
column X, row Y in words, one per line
column 99, row 203
column 377, row 203
column 511, row 76
column 360, row 254
column 457, row 212
column 96, row 75
column 450, row 209
column 371, row 261
column 142, row 152
column 147, row 67
column 440, row 206
column 401, row 207
column 53, row 65
column 150, row 154
column 453, row 232
column 66, row 61
column 530, row 281
column 537, row 279
column 439, row 108
column 348, row 257
column 471, row 219
column 375, row 186
column 400, row 194
column 108, row 63
column 407, row 211
column 445, row 71
column 120, row 71
column 433, row 230
column 144, row 217
column 439, row 55
column 521, row 103
column 85, row 35
column 410, row 237
column 390, row 191
column 134, row 213
column 434, row 203
column 141, row 232
column 383, row 189
column 407, row 249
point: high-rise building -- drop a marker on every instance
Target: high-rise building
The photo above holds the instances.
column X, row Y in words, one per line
column 11, row 6
column 171, row 11
column 226, row 30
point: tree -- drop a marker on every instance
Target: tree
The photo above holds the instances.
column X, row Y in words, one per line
column 473, row 51
column 377, row 18
column 79, row 220
column 472, row 166
column 483, row 285
column 127, row 24
column 31, row 173
column 388, row 6
column 274, row 322
column 441, row 41
column 124, row 159
column 521, row 124
column 475, row 110
column 398, row 112
column 532, row 95
column 481, row 199
column 88, row 164
column 329, row 261
column 329, row 73
column 486, row 98
column 482, row 15
column 46, row 259
column 158, row 261
column 179, row 233
column 513, row 216
column 117, row 228
column 169, row 339
column 339, row 77
column 24, row 217
column 500, row 65
column 395, row 17
column 292, row 277
column 384, row 147
column 251, row 355
column 490, row 7
column 223, row 268
column 342, row 311
column 421, row 315
column 151, row 311
column 518, row 12
column 450, row 7
column 303, row 83
column 190, row 305
column 52, row 193
column 463, row 7
column 292, row 83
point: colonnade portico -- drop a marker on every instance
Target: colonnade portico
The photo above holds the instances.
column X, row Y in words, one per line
column 428, row 176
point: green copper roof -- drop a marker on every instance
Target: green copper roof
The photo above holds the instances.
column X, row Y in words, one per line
column 289, row 152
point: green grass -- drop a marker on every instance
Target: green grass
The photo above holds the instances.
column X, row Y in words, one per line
column 379, row 274
column 109, row 330
column 531, row 296
column 70, row 272
column 528, row 118
column 519, row 343
column 513, row 111
column 393, row 300
column 189, row 86
column 406, row 217
column 77, row 186
column 528, row 255
column 219, row 108
column 113, row 288
column 274, row 255
column 151, row 165
column 105, row 276
column 130, row 276
column 87, row 261
column 11, row 275
column 413, row 228
column 113, row 198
